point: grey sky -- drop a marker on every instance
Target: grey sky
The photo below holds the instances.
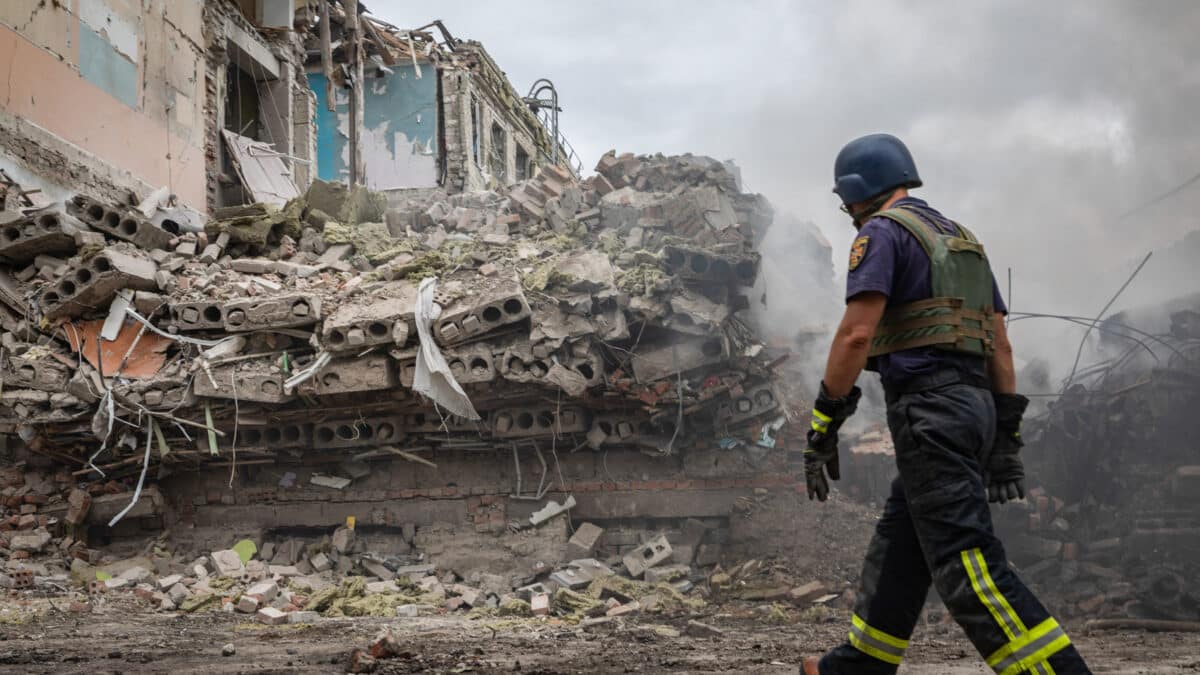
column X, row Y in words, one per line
column 1036, row 123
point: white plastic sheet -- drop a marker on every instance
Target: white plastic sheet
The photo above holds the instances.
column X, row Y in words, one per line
column 433, row 378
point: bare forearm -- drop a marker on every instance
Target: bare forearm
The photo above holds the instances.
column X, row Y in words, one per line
column 847, row 358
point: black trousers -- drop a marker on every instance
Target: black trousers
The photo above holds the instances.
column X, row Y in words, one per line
column 936, row 529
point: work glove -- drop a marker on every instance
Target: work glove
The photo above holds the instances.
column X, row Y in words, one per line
column 821, row 455
column 1005, row 473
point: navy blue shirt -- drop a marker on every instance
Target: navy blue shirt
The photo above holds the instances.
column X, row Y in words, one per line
column 891, row 261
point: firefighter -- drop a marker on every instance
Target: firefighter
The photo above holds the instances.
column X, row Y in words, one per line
column 923, row 310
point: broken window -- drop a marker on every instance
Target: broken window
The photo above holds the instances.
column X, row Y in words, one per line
column 256, row 107
column 475, row 131
column 498, row 152
column 523, row 168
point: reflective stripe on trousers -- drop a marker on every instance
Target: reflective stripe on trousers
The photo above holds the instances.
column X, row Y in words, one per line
column 874, row 642
column 1027, row 650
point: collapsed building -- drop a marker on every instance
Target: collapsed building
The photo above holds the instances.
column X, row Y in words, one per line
column 214, row 336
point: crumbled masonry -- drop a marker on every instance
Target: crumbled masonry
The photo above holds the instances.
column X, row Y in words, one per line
column 543, row 289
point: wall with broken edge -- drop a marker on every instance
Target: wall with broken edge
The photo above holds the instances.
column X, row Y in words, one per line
column 400, row 134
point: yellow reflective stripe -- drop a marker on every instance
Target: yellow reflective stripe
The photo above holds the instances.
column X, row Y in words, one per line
column 820, row 421
column 985, row 588
column 1022, row 641
column 1038, row 658
column 870, row 650
column 878, row 634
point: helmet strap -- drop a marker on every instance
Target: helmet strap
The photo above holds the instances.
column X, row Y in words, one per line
column 872, row 207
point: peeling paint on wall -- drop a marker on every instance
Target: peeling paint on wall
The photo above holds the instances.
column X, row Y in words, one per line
column 399, row 130
column 111, row 26
column 101, row 64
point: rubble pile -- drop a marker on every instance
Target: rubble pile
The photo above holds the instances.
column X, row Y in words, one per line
column 591, row 314
column 1111, row 528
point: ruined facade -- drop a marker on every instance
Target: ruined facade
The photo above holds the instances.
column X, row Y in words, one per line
column 436, row 114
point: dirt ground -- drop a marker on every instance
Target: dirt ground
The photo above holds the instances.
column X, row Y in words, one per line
column 38, row 638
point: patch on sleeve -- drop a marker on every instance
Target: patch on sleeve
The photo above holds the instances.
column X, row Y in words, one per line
column 857, row 251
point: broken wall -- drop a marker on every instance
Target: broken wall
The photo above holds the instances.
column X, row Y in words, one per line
column 400, row 128
column 475, row 99
column 272, row 64
column 94, row 75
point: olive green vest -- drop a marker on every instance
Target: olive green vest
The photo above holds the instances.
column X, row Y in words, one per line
column 959, row 315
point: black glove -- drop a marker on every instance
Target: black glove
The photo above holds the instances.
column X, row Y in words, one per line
column 1005, row 473
column 821, row 455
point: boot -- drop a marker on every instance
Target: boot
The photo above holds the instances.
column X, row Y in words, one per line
column 810, row 666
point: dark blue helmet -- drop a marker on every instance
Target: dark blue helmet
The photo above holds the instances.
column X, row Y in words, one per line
column 870, row 166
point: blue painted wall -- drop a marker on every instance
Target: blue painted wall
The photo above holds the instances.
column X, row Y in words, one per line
column 101, row 64
column 400, row 146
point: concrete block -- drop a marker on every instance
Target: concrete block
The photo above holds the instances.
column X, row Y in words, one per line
column 253, row 266
column 384, row 317
column 265, row 591
column 303, row 617
column 227, row 563
column 253, row 380
column 471, row 316
column 583, row 543
column 283, row 570
column 287, row 435
column 357, row 432
column 320, row 562
column 201, row 315
column 667, row 573
column 45, row 232
column 752, row 403
column 118, row 222
column 165, row 583
column 343, row 539
column 538, row 420
column 286, row 311
column 247, row 604
column 373, row 372
column 540, row 604
column 43, row 374
column 93, row 283
column 272, row 616
column 702, row 265
column 646, row 556
column 571, row 578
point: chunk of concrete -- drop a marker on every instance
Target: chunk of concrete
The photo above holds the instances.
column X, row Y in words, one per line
column 540, row 604
column 32, row 542
column 343, row 539
column 265, row 591
column 247, row 604
column 227, row 563
column 583, row 543
column 646, row 556
column 272, row 616
column 551, row 509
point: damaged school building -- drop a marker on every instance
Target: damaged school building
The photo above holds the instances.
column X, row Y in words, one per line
column 305, row 295
column 271, row 269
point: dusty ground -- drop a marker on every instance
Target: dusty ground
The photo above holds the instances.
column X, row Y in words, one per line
column 38, row 639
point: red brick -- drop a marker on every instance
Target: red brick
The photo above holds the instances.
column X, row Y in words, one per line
column 473, row 503
column 408, row 494
column 487, row 499
column 496, row 517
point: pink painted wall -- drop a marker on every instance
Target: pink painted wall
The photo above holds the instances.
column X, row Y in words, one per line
column 41, row 88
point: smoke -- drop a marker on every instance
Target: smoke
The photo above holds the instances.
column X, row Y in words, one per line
column 1039, row 125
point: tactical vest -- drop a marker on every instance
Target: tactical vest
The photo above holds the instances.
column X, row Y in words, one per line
column 959, row 315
